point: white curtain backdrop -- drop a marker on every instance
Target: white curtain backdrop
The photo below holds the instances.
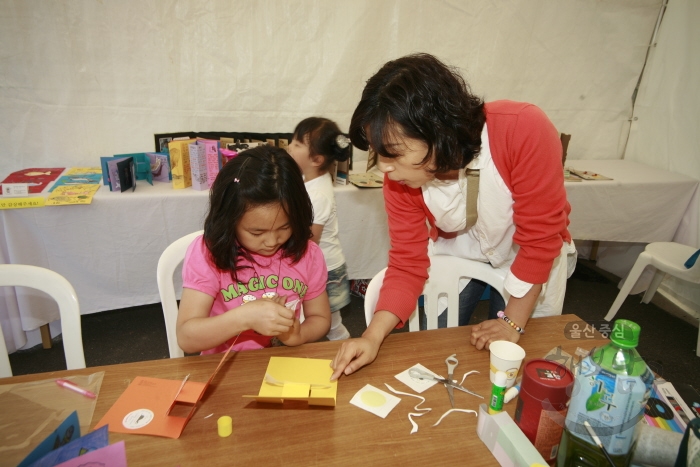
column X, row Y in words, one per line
column 80, row 79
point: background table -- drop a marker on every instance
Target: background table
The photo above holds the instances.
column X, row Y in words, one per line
column 295, row 434
column 639, row 204
column 109, row 250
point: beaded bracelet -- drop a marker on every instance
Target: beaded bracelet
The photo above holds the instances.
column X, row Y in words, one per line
column 503, row 316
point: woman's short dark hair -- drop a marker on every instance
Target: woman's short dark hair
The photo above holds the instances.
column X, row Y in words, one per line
column 257, row 177
column 428, row 101
column 321, row 134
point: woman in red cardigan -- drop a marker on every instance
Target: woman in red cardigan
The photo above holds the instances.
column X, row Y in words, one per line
column 431, row 136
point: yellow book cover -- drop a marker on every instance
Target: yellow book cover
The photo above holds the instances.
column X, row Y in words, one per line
column 180, row 163
column 84, row 170
column 24, row 202
column 72, row 194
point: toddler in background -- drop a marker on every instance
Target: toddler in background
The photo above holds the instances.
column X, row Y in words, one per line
column 246, row 278
column 318, row 143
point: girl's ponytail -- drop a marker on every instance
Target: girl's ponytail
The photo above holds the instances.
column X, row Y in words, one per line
column 341, row 148
column 324, row 139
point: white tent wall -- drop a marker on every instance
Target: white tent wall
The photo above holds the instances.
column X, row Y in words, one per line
column 80, row 79
column 666, row 126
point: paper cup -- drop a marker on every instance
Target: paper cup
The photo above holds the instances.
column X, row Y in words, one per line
column 507, row 357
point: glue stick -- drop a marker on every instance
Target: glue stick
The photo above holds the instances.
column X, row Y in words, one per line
column 512, row 393
column 498, row 390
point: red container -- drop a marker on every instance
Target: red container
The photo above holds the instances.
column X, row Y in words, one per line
column 544, row 393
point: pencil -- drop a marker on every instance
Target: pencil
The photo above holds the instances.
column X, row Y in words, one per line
column 597, row 441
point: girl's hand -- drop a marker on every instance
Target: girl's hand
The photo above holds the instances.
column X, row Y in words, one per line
column 268, row 317
column 279, row 299
column 492, row 330
column 293, row 336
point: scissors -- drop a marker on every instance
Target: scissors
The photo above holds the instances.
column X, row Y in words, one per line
column 451, row 362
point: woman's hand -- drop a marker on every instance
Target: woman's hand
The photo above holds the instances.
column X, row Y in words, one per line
column 353, row 355
column 356, row 353
column 492, row 330
column 517, row 309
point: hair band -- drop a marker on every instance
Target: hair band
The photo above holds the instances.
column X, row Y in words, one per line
column 342, row 141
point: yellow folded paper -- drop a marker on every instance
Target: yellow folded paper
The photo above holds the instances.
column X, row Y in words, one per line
column 305, row 379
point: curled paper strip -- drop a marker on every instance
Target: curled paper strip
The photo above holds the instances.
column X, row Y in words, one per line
column 412, row 414
column 414, row 424
column 454, row 410
column 467, row 374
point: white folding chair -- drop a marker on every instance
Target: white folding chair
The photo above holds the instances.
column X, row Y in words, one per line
column 667, row 258
column 443, row 281
column 58, row 288
column 169, row 260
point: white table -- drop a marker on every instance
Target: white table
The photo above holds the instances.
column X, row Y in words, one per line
column 640, row 204
column 109, row 250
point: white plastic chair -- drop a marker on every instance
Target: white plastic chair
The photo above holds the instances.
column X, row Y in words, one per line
column 443, row 281
column 169, row 260
column 667, row 258
column 58, row 288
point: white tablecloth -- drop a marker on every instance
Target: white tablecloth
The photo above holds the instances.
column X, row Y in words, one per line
column 109, row 250
column 640, row 204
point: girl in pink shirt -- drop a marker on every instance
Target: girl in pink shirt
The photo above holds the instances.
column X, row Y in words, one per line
column 247, row 277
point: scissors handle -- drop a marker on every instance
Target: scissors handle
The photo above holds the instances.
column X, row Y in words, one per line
column 451, row 362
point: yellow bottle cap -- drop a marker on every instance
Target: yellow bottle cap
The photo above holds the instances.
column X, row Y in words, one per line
column 225, row 425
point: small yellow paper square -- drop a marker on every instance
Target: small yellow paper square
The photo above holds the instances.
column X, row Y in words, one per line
column 295, row 390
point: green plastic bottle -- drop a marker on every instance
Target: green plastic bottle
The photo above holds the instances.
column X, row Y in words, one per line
column 611, row 388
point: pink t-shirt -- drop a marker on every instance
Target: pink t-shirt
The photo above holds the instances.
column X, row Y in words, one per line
column 300, row 282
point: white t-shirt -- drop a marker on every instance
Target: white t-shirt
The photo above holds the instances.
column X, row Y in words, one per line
column 320, row 191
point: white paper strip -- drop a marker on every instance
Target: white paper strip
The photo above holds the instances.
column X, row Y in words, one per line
column 455, row 410
column 412, row 414
column 465, row 376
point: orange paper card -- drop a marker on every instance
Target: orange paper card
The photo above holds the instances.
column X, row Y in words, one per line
column 145, row 407
column 154, row 406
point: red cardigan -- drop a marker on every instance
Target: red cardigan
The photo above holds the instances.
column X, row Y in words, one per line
column 527, row 152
